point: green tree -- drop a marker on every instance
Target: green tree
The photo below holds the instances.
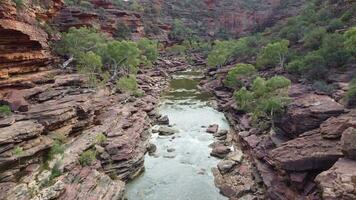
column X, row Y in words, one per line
column 91, row 65
column 220, row 54
column 78, row 41
column 148, row 50
column 238, row 74
column 122, row 57
column 273, row 54
column 180, row 32
column 334, row 51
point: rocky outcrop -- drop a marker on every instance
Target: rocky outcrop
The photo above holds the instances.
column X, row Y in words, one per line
column 24, row 45
column 109, row 19
column 339, row 182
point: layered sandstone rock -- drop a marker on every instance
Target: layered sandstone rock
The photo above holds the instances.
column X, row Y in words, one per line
column 24, row 45
column 108, row 19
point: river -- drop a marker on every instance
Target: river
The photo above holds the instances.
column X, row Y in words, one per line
column 180, row 169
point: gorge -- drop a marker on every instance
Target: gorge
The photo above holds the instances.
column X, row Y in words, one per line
column 151, row 99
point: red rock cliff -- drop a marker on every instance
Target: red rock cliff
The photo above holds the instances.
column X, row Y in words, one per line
column 23, row 44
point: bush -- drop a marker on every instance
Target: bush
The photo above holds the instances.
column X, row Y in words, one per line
column 19, row 3
column 333, row 50
column 123, row 32
column 322, row 86
column 313, row 66
column 351, row 93
column 335, row 24
column 313, row 39
column 90, row 64
column 87, row 158
column 266, row 97
column 350, row 40
column 100, row 139
column 239, row 72
column 221, row 53
column 149, row 52
column 5, row 110
column 273, row 54
column 295, row 66
column 177, row 49
column 127, row 84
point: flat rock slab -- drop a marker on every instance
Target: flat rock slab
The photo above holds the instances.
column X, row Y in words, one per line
column 307, row 112
column 339, row 182
column 309, row 152
column 164, row 131
column 220, row 151
column 335, row 126
column 212, row 128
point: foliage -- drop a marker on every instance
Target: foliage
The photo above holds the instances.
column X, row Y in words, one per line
column 333, row 50
column 87, row 157
column 149, row 52
column 313, row 66
column 100, row 139
column 5, row 110
column 91, row 65
column 238, row 73
column 127, row 84
column 350, row 40
column 180, row 32
column 265, row 98
column 177, row 49
column 55, row 171
column 220, row 54
column 313, row 39
column 351, row 93
column 273, row 54
column 122, row 55
column 78, row 41
column 123, row 31
column 19, row 3
column 322, row 86
column 18, row 151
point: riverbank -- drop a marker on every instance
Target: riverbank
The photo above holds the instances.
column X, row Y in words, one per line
column 293, row 160
column 59, row 110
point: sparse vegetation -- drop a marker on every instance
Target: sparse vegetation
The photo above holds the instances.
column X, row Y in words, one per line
column 87, row 157
column 100, row 139
column 5, row 110
column 238, row 74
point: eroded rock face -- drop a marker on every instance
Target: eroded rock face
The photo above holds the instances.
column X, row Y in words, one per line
column 24, row 45
column 108, row 19
column 348, row 143
column 339, row 182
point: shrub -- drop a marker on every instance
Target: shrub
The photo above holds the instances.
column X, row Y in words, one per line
column 333, row 50
column 123, row 32
column 19, row 3
column 148, row 50
column 265, row 98
column 335, row 24
column 177, row 49
column 127, row 84
column 313, row 39
column 351, row 93
column 221, row 53
column 87, row 158
column 350, row 40
column 180, row 32
column 5, row 110
column 273, row 54
column 313, row 66
column 322, row 86
column 295, row 66
column 91, row 65
column 239, row 72
column 100, row 139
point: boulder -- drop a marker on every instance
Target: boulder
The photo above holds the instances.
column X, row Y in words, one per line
column 307, row 112
column 220, row 151
column 307, row 152
column 235, row 156
column 164, row 120
column 212, row 128
column 164, row 131
column 348, row 143
column 225, row 166
column 338, row 182
column 335, row 126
